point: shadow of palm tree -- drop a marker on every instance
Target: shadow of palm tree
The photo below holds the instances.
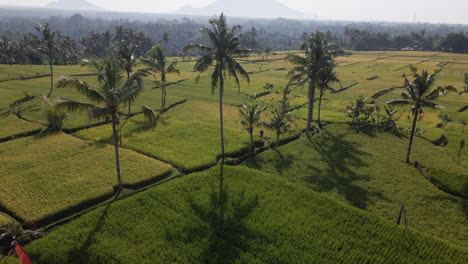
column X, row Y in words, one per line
column 84, row 254
column 464, row 202
column 283, row 161
column 339, row 155
column 140, row 126
column 226, row 233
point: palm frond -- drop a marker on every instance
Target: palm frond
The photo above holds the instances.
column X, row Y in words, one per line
column 217, row 73
column 99, row 113
column 132, row 87
column 234, row 67
column 73, row 106
column 196, row 47
column 172, row 68
column 431, row 105
column 450, row 89
column 82, row 87
column 296, row 59
column 398, row 102
column 203, row 63
column 150, row 115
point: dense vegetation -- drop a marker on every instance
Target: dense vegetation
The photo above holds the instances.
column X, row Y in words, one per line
column 80, row 36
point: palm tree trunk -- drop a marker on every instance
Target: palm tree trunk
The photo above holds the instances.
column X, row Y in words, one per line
column 413, row 129
column 221, row 124
column 320, row 109
column 252, row 147
column 163, row 92
column 116, row 147
column 162, row 99
column 278, row 134
column 51, row 62
column 129, row 102
column 311, row 105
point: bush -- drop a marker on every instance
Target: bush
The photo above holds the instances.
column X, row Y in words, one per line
column 54, row 118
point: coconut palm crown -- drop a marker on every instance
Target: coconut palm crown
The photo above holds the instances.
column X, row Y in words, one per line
column 319, row 54
column 418, row 95
column 156, row 61
column 108, row 100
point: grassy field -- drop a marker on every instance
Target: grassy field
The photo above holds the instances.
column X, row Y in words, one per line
column 10, row 124
column 5, row 219
column 44, row 175
column 387, row 68
column 368, row 172
column 10, row 72
column 267, row 221
column 187, row 136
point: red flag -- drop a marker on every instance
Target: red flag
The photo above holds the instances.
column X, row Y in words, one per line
column 23, row 257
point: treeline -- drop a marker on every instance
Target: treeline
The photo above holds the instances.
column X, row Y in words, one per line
column 79, row 37
column 356, row 39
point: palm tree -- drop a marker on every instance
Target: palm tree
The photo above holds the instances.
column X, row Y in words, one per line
column 49, row 48
column 157, row 61
column 325, row 78
column 251, row 115
column 224, row 45
column 360, row 110
column 280, row 119
column 418, row 95
column 319, row 53
column 126, row 61
column 107, row 101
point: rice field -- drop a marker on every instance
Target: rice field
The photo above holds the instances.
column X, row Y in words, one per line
column 268, row 220
column 332, row 199
column 45, row 175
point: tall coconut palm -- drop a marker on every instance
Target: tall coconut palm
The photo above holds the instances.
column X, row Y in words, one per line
column 156, row 61
column 224, row 45
column 127, row 61
column 319, row 53
column 113, row 93
column 419, row 95
column 325, row 78
column 49, row 48
column 251, row 115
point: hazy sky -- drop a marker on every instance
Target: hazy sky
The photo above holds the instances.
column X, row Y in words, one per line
column 436, row 11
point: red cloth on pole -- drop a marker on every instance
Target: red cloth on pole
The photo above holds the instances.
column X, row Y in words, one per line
column 22, row 256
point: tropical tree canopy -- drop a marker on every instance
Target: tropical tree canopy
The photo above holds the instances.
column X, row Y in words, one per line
column 418, row 93
column 224, row 46
column 319, row 53
column 156, row 61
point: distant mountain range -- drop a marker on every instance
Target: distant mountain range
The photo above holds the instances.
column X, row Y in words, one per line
column 74, row 5
column 245, row 8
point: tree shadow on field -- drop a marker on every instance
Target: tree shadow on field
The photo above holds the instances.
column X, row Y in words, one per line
column 140, row 126
column 225, row 232
column 464, row 202
column 339, row 155
column 283, row 161
column 83, row 253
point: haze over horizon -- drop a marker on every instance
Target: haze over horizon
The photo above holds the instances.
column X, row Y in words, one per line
column 449, row 11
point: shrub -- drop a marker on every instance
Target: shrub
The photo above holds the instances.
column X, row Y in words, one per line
column 54, row 118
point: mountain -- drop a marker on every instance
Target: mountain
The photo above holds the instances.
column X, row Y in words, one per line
column 74, row 5
column 244, row 8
